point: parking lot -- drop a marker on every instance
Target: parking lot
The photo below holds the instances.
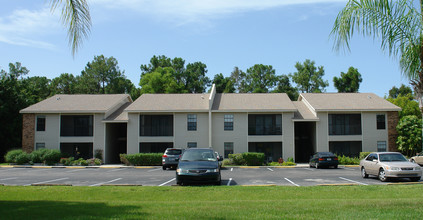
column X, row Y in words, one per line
column 155, row 176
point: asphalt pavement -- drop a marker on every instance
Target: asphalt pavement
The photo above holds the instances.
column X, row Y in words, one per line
column 155, row 176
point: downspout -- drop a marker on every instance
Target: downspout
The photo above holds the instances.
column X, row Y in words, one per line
column 211, row 99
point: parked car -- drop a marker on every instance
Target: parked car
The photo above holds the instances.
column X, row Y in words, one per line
column 219, row 158
column 170, row 158
column 417, row 159
column 324, row 159
column 198, row 165
column 386, row 165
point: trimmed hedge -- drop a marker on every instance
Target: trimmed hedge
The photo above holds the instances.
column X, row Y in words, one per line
column 46, row 156
column 247, row 159
column 344, row 160
column 142, row 159
column 364, row 154
column 10, row 157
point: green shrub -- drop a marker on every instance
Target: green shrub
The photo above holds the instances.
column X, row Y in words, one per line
column 227, row 162
column 37, row 155
column 290, row 159
column 145, row 159
column 286, row 163
column 51, row 157
column 237, row 159
column 67, row 161
column 348, row 160
column 98, row 153
column 10, row 157
column 94, row 162
column 22, row 158
column 253, row 159
column 364, row 154
column 80, row 162
column 123, row 159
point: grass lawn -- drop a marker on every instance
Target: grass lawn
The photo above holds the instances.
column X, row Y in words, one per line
column 220, row 202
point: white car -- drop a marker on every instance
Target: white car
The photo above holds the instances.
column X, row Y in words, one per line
column 417, row 159
column 386, row 165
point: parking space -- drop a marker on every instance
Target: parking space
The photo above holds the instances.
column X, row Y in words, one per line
column 155, row 176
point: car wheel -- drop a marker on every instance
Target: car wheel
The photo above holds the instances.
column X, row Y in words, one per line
column 382, row 175
column 363, row 173
column 415, row 179
column 163, row 167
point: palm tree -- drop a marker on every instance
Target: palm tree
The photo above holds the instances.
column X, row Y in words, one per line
column 76, row 17
column 397, row 24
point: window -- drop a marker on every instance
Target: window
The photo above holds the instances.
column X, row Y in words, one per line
column 380, row 122
column 40, row 146
column 264, row 124
column 344, row 124
column 229, row 148
column 41, row 123
column 76, row 125
column 229, row 122
column 381, row 146
column 192, row 144
column 192, row 122
column 156, row 125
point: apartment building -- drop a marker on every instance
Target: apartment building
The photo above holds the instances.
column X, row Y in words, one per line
column 343, row 123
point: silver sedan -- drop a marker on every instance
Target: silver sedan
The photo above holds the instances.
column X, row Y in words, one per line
column 386, row 165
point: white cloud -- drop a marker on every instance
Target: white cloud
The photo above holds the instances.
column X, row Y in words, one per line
column 24, row 27
column 198, row 11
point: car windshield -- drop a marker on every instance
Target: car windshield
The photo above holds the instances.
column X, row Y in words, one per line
column 391, row 158
column 198, row 155
column 174, row 152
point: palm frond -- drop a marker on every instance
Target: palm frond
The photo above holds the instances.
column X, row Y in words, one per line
column 76, row 17
column 397, row 24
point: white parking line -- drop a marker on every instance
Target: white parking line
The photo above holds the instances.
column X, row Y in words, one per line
column 155, row 169
column 48, row 181
column 353, row 181
column 310, row 169
column 11, row 178
column 111, row 181
column 270, row 169
column 229, row 182
column 291, row 182
column 232, row 169
column 167, row 182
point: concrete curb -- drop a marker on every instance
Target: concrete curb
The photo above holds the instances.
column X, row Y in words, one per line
column 51, row 184
column 340, row 184
column 405, row 183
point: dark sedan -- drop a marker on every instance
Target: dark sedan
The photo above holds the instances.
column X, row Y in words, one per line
column 324, row 159
column 198, row 165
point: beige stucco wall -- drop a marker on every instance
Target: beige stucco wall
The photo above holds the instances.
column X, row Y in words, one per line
column 322, row 128
column 239, row 136
column 133, row 133
column 51, row 135
column 181, row 134
column 288, row 138
column 99, row 133
column 370, row 133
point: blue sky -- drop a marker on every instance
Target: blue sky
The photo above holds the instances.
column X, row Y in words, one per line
column 220, row 33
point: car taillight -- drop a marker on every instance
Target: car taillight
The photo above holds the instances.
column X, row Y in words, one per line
column 321, row 159
column 336, row 158
column 164, row 155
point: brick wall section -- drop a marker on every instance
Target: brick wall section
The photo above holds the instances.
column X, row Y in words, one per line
column 393, row 119
column 28, row 132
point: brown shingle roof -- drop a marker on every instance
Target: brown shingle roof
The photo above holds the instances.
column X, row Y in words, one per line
column 77, row 104
column 303, row 113
column 348, row 102
column 170, row 103
column 253, row 102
